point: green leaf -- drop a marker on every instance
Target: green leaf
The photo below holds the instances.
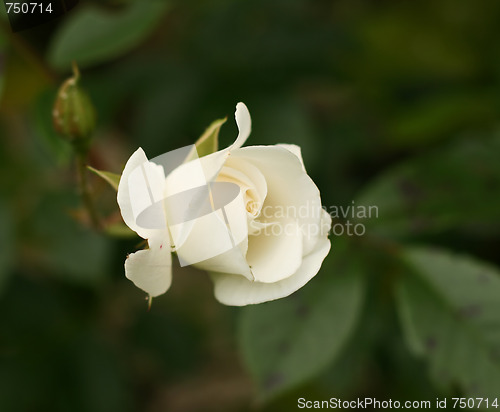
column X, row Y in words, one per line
column 209, row 141
column 449, row 307
column 92, row 35
column 440, row 116
column 440, row 191
column 286, row 342
column 112, row 178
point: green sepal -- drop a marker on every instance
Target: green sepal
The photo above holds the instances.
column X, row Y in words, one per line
column 208, row 143
column 112, row 178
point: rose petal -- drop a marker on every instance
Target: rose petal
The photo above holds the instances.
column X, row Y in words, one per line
column 290, row 191
column 150, row 269
column 215, row 241
column 212, row 163
column 238, row 291
column 147, row 182
column 232, row 261
column 208, row 239
column 296, row 150
column 276, row 253
column 244, row 122
column 250, row 179
column 326, row 223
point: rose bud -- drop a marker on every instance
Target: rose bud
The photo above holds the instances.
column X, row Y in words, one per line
column 73, row 115
column 249, row 216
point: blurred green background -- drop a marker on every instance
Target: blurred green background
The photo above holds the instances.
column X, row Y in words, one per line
column 395, row 104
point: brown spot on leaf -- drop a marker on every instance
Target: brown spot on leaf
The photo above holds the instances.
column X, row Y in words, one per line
column 283, row 348
column 473, row 388
column 495, row 354
column 302, row 310
column 420, row 224
column 444, row 375
column 411, row 192
column 470, row 311
column 431, row 343
column 482, row 277
column 273, row 381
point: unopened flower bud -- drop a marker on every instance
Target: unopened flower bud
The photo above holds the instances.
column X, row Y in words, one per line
column 74, row 115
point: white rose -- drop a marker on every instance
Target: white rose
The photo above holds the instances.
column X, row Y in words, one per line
column 263, row 242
